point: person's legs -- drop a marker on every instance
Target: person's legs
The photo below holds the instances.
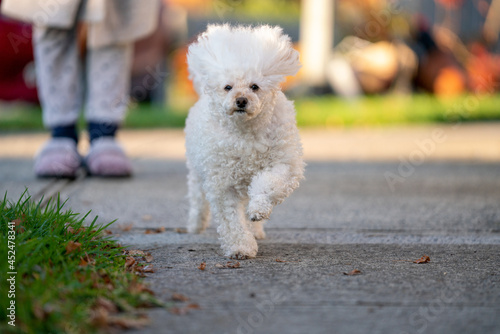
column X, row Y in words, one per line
column 58, row 71
column 108, row 85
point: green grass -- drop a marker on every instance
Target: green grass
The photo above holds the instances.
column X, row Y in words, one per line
column 316, row 111
column 20, row 117
column 393, row 110
column 146, row 116
column 60, row 289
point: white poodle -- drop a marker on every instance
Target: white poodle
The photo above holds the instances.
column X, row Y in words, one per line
column 243, row 148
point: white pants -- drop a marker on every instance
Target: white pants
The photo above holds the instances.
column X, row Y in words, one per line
column 66, row 84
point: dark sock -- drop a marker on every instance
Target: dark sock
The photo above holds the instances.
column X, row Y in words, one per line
column 98, row 130
column 66, row 131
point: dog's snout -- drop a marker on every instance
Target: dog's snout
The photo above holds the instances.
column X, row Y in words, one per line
column 241, row 102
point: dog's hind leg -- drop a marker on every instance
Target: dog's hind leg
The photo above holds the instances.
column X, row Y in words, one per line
column 199, row 210
column 257, row 228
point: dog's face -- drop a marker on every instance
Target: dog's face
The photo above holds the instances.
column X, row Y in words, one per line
column 243, row 98
column 240, row 68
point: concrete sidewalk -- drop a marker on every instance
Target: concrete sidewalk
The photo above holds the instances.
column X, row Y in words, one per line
column 444, row 202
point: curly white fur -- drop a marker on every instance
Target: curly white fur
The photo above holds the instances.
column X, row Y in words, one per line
column 242, row 160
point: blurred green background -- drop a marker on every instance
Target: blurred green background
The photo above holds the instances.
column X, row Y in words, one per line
column 365, row 62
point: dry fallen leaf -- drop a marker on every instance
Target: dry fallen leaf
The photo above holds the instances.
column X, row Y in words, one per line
column 107, row 304
column 71, row 230
column 129, row 262
column 133, row 252
column 233, row 265
column 178, row 310
column 423, row 259
column 148, row 269
column 71, row 246
column 18, row 221
column 178, row 297
column 83, row 262
column 193, row 306
column 126, row 228
column 126, row 322
column 38, row 311
column 137, row 287
column 229, row 264
column 99, row 317
column 148, row 257
column 154, row 231
column 353, row 272
column 202, row 266
column 181, row 230
column 184, row 310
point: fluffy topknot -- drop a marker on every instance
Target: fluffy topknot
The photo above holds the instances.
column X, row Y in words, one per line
column 224, row 51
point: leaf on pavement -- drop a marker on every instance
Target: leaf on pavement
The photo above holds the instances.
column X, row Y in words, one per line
column 202, row 266
column 178, row 297
column 138, row 287
column 126, row 322
column 233, row 265
column 184, row 310
column 423, row 259
column 155, row 230
column 147, row 269
column 353, row 272
column 129, row 262
column 229, row 264
column 133, row 252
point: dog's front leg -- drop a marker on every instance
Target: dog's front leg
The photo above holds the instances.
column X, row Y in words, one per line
column 236, row 239
column 269, row 188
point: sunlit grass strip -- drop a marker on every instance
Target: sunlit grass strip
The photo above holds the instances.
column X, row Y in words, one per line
column 314, row 111
column 331, row 111
column 70, row 279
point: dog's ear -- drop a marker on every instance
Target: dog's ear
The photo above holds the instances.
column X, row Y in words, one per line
column 280, row 58
column 203, row 59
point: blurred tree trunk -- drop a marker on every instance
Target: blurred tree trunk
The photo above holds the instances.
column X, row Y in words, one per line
column 316, row 39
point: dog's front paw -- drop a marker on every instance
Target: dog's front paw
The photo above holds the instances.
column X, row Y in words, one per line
column 241, row 249
column 259, row 208
column 239, row 256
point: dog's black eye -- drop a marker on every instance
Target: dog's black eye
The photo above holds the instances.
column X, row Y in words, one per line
column 228, row 88
column 254, row 87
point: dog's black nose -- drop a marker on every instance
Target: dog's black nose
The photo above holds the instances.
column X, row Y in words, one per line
column 241, row 102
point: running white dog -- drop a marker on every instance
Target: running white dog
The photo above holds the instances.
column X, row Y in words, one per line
column 243, row 148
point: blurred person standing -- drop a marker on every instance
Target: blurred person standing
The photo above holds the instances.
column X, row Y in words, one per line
column 83, row 55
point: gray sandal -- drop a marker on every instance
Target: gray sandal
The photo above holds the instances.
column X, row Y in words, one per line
column 107, row 158
column 58, row 158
